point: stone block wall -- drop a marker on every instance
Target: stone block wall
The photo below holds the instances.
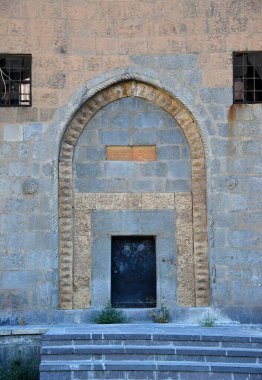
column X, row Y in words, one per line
column 19, row 349
column 183, row 46
column 132, row 122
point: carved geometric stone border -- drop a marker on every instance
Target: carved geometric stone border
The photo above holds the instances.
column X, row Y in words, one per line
column 85, row 203
column 192, row 134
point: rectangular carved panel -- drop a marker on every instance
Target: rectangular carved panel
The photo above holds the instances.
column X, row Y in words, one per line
column 131, row 153
column 86, row 203
column 119, row 153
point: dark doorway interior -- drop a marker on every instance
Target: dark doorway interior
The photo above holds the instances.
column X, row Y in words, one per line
column 133, row 272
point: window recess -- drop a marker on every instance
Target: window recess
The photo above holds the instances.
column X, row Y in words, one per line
column 247, row 74
column 15, row 80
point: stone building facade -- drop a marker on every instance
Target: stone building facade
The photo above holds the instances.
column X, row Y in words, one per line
column 132, row 131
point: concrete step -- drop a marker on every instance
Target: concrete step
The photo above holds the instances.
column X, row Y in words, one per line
column 148, row 343
column 207, row 340
column 126, row 368
column 151, row 352
column 164, row 353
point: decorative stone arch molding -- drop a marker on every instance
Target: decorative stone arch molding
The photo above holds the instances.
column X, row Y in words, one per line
column 132, row 88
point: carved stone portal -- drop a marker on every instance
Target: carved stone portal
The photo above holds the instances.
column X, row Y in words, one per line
column 191, row 225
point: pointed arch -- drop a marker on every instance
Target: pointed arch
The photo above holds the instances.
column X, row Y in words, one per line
column 133, row 88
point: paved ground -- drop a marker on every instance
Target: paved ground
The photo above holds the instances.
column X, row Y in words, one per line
column 153, row 328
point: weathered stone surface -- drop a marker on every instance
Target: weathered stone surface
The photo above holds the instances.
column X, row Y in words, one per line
column 181, row 50
column 120, row 170
column 144, row 153
column 128, row 201
column 30, row 186
column 131, row 153
column 112, row 201
column 185, row 252
column 82, row 222
column 82, row 269
column 13, row 132
column 119, row 153
column 158, row 201
column 84, row 201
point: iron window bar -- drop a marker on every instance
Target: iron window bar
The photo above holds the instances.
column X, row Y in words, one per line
column 15, row 80
column 247, row 77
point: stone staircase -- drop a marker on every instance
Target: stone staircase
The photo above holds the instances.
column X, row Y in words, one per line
column 151, row 351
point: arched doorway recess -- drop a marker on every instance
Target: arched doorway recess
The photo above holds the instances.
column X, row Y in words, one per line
column 197, row 293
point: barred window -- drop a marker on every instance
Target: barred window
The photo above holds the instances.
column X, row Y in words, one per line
column 247, row 73
column 15, row 80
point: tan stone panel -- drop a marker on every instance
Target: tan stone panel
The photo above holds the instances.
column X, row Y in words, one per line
column 66, row 196
column 94, row 105
column 66, row 237
column 65, row 179
column 101, row 99
column 197, row 153
column 185, row 251
column 65, row 204
column 65, row 302
column 191, row 128
column 131, row 153
column 81, row 243
column 191, row 131
column 164, row 100
column 185, row 272
column 66, row 231
column 196, row 144
column 133, row 201
column 78, row 122
column 66, row 245
column 144, row 153
column 76, row 128
column 118, row 201
column 183, row 202
column 195, row 139
column 126, row 86
column 162, row 201
column 184, row 118
column 85, row 201
column 66, row 275
column 146, row 92
column 86, row 112
column 67, row 224
column 82, row 299
column 174, row 107
column 159, row 98
column 82, row 272
column 82, row 222
column 64, row 189
column 82, row 261
column 65, row 215
column 65, row 167
column 119, row 153
column 118, row 90
column 66, row 260
column 66, row 152
column 138, row 89
column 126, row 201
